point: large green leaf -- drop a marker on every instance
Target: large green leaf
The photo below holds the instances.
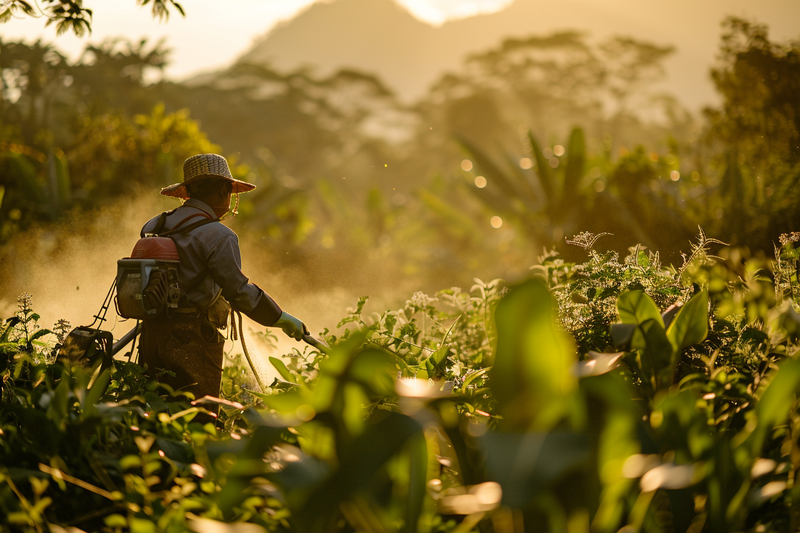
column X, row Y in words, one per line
column 635, row 307
column 656, row 352
column 527, row 464
column 690, row 325
column 775, row 403
column 358, row 466
column 532, row 372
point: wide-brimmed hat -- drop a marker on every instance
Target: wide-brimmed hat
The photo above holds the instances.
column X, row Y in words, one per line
column 205, row 166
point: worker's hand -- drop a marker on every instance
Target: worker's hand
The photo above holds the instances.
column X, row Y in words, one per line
column 292, row 326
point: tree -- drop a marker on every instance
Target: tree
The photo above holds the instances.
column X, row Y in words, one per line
column 71, row 15
column 30, row 77
column 759, row 81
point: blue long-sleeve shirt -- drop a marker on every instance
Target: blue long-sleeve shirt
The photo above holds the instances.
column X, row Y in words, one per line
column 210, row 260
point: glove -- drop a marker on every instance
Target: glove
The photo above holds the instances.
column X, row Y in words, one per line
column 292, row 326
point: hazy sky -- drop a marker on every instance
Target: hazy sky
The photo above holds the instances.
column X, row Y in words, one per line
column 214, row 32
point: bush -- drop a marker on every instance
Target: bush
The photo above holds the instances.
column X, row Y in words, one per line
column 611, row 393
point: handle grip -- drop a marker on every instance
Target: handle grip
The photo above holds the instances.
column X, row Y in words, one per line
column 319, row 344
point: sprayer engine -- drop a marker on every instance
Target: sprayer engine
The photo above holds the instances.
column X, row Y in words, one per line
column 147, row 281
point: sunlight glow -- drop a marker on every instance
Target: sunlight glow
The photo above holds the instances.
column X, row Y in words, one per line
column 437, row 12
column 667, row 476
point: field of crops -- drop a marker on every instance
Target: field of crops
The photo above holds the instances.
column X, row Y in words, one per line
column 611, row 395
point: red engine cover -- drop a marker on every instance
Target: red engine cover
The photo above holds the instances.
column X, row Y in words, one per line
column 158, row 248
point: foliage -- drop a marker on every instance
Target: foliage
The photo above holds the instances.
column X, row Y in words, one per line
column 458, row 412
column 551, row 81
column 550, row 192
column 145, row 150
column 760, row 122
column 314, row 143
column 70, row 15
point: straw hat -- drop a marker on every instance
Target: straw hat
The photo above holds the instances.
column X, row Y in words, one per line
column 205, row 166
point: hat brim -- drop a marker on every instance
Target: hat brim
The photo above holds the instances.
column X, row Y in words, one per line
column 178, row 190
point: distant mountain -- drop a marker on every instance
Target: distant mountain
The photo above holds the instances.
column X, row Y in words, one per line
column 380, row 37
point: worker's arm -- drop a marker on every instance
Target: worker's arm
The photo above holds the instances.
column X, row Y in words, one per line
column 225, row 266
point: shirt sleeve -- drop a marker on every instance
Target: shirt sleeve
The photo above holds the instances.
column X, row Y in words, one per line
column 225, row 267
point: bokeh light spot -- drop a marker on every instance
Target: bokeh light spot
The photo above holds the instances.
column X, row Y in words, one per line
column 674, row 175
column 558, row 150
column 480, row 182
column 466, row 165
column 496, row 222
column 599, row 186
column 525, row 163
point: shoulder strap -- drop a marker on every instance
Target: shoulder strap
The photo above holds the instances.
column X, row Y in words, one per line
column 162, row 219
column 188, row 228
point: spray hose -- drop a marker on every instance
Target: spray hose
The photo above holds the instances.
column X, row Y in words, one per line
column 319, row 344
column 234, row 314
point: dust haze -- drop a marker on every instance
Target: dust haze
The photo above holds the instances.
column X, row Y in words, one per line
column 69, row 268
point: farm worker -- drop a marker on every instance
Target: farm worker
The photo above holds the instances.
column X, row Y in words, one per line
column 188, row 342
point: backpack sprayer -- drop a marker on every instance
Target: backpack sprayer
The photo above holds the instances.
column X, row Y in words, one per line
column 146, row 288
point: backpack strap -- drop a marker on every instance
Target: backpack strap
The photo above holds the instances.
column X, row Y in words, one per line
column 179, row 228
column 182, row 222
column 176, row 230
column 162, row 220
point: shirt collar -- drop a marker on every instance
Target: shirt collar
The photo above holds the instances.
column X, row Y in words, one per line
column 202, row 206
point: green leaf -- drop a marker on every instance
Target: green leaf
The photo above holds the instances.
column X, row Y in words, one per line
column 775, row 403
column 115, row 521
column 532, row 373
column 472, row 377
column 39, row 334
column 622, row 333
column 543, row 171
column 360, row 462
column 13, row 321
column 492, row 171
column 375, row 369
column 574, row 168
column 635, row 307
column 96, row 392
column 656, row 352
column 528, row 464
column 690, row 325
column 282, row 370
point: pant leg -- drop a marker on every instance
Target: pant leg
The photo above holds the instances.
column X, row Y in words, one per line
column 187, row 346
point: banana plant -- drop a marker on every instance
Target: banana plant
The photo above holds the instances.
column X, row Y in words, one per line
column 552, row 193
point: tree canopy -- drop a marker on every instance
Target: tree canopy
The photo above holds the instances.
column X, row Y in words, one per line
column 70, row 15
